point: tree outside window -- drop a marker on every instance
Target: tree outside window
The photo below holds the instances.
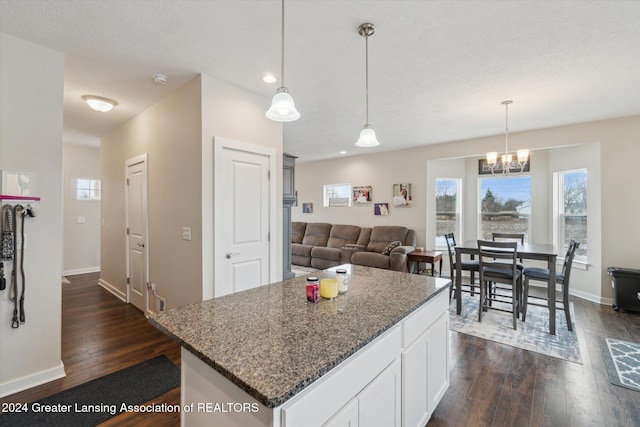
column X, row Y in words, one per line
column 572, row 218
column 505, row 206
column 447, row 209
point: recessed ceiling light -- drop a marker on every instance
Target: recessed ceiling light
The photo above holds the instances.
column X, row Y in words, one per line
column 98, row 103
column 269, row 78
column 343, row 152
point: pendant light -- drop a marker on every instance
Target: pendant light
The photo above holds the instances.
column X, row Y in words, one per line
column 283, row 109
column 507, row 162
column 367, row 135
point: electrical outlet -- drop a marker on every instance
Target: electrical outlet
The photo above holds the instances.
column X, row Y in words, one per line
column 186, row 233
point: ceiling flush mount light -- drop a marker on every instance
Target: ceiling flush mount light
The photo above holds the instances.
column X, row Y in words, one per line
column 367, row 135
column 507, row 164
column 283, row 109
column 99, row 103
column 160, row 79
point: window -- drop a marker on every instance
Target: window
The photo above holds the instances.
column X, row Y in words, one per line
column 448, row 218
column 505, row 206
column 337, row 195
column 571, row 211
column 88, row 189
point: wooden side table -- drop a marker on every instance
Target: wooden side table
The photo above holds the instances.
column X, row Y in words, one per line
column 428, row 257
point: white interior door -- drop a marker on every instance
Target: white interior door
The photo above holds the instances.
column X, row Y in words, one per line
column 137, row 258
column 242, row 199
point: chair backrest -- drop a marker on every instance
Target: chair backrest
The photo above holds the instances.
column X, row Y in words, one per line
column 568, row 260
column 499, row 256
column 451, row 247
column 509, row 236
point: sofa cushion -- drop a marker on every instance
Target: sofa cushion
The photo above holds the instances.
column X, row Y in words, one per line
column 297, row 231
column 316, row 234
column 301, row 250
column 341, row 235
column 382, row 235
column 391, row 246
column 371, row 259
column 332, row 254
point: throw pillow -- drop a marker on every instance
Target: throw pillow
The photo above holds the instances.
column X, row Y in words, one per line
column 391, row 246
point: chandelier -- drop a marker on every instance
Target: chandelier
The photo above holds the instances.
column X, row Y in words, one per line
column 283, row 108
column 367, row 135
column 508, row 164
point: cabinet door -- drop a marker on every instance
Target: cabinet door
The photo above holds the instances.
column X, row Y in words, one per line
column 438, row 360
column 379, row 402
column 415, row 368
column 346, row 417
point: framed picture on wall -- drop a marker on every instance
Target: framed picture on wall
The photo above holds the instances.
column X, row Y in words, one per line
column 307, row 208
column 381, row 209
column 402, row 195
column 362, row 195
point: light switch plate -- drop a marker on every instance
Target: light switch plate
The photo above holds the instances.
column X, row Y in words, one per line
column 186, row 233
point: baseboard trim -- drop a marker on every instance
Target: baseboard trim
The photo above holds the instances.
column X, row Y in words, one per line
column 115, row 291
column 33, row 380
column 81, row 271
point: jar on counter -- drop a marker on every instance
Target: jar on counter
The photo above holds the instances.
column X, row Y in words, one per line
column 343, row 280
column 313, row 289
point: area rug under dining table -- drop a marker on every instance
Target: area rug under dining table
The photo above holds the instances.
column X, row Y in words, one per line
column 532, row 335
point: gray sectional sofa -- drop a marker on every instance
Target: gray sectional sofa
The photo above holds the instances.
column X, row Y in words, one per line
column 323, row 245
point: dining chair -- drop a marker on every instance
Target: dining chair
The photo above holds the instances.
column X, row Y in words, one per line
column 508, row 237
column 470, row 265
column 562, row 278
column 497, row 264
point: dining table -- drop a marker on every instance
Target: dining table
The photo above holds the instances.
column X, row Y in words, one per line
column 533, row 251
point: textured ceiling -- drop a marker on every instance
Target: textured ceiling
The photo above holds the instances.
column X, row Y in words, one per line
column 438, row 69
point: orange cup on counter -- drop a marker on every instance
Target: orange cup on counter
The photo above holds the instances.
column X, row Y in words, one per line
column 329, row 288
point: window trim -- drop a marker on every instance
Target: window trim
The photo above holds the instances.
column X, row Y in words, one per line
column 579, row 261
column 458, row 222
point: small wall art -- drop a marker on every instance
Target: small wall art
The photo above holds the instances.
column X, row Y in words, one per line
column 381, row 209
column 402, row 195
column 307, row 208
column 362, row 195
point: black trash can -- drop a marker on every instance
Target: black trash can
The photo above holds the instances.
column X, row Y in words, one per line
column 626, row 288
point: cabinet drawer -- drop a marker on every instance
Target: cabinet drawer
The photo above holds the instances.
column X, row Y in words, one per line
column 324, row 398
column 420, row 320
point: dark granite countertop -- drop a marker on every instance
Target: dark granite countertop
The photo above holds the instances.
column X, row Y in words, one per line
column 272, row 344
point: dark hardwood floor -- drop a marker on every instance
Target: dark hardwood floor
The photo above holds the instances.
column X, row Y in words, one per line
column 100, row 335
column 491, row 384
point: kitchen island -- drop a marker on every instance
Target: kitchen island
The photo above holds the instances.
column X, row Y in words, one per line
column 377, row 355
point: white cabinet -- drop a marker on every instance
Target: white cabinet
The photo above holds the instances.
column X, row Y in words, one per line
column 379, row 404
column 425, row 365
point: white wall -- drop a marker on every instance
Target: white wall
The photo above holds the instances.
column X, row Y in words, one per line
column 177, row 133
column 234, row 113
column 81, row 239
column 31, row 141
column 607, row 148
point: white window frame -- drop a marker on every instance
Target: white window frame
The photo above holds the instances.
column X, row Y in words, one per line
column 440, row 242
column 579, row 261
column 334, row 195
column 95, row 194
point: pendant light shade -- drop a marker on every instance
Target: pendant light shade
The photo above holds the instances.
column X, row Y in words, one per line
column 367, row 135
column 508, row 164
column 283, row 108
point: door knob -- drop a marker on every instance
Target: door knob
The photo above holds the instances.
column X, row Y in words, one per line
column 229, row 254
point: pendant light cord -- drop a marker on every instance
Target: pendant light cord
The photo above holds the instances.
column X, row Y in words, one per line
column 282, row 47
column 366, row 73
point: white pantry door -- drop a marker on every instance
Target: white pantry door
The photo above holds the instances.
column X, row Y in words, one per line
column 137, row 250
column 242, row 200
